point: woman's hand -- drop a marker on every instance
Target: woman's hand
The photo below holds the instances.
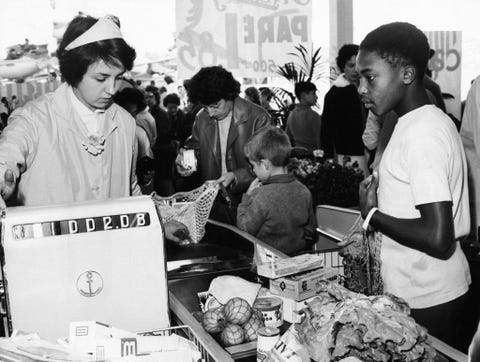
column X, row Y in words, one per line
column 226, row 179
column 181, row 169
column 7, row 187
column 177, row 232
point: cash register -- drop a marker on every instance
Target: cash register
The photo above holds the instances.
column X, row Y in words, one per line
column 94, row 260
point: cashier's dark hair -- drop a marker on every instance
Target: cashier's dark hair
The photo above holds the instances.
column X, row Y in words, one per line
column 399, row 44
column 269, row 143
column 210, row 84
column 75, row 62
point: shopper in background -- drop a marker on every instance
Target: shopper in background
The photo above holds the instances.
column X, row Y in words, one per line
column 303, row 123
column 419, row 199
column 219, row 134
column 182, row 128
column 144, row 118
column 75, row 144
column 168, row 148
column 176, row 116
column 344, row 116
column 277, row 208
column 3, row 115
column 470, row 133
column 253, row 95
column 133, row 100
column 163, row 149
column 190, row 111
column 162, row 126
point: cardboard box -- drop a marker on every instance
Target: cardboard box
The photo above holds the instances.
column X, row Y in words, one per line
column 302, row 285
column 282, row 267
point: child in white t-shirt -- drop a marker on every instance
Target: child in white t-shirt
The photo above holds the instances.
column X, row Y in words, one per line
column 421, row 186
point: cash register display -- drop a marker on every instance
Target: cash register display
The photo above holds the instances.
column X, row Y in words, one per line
column 102, row 261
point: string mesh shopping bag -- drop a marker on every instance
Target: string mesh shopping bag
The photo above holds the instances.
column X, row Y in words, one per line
column 361, row 260
column 191, row 208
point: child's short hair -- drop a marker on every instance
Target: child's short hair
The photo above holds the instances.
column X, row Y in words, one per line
column 304, row 87
column 270, row 143
column 399, row 44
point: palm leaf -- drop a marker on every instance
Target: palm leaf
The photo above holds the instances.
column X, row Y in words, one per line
column 306, row 66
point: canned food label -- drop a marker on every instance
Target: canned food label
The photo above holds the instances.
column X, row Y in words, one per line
column 266, row 339
column 272, row 311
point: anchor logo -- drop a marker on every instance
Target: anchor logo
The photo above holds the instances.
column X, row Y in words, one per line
column 89, row 283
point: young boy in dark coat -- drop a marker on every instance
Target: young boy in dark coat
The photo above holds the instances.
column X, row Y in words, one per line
column 276, row 208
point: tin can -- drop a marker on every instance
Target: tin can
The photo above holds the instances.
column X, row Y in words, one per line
column 266, row 339
column 272, row 310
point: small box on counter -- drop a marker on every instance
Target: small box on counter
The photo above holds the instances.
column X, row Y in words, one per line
column 303, row 285
column 282, row 267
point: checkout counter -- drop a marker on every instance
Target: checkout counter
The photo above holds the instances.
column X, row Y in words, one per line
column 223, row 250
column 228, row 250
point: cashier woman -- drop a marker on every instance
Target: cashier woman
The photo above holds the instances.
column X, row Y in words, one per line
column 75, row 144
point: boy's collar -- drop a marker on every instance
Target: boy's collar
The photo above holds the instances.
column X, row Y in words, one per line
column 280, row 179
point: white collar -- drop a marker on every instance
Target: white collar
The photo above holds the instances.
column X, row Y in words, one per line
column 81, row 108
column 341, row 81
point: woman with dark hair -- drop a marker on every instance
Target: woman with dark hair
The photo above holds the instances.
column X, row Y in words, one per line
column 344, row 116
column 220, row 131
column 75, row 144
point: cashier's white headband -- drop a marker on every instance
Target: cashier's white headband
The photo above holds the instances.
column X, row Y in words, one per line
column 104, row 28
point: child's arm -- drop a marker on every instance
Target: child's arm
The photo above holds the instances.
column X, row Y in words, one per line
column 250, row 215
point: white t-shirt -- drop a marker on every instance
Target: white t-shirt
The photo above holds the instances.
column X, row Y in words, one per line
column 424, row 162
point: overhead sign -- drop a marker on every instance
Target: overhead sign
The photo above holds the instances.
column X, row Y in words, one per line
column 446, row 65
column 251, row 38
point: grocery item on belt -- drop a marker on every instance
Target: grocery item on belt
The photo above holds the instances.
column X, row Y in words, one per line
column 340, row 324
column 226, row 287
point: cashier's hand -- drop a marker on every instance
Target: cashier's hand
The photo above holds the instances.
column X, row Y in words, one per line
column 367, row 192
column 182, row 171
column 254, row 185
column 177, row 232
column 7, row 187
column 226, row 179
